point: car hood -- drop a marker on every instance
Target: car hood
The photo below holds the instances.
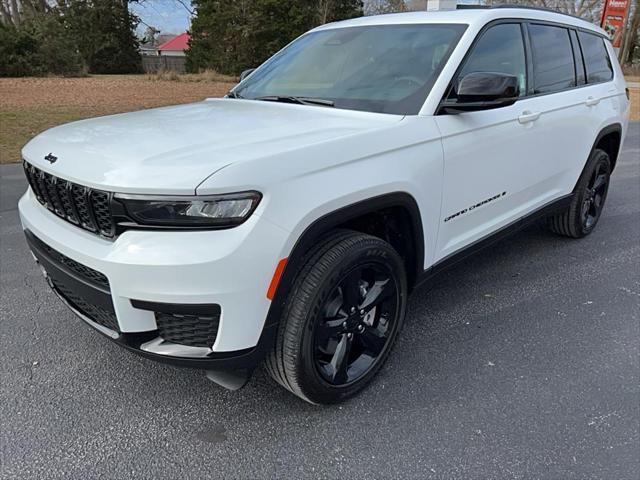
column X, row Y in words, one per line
column 171, row 150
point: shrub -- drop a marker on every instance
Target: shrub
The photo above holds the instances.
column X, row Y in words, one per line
column 19, row 53
column 39, row 48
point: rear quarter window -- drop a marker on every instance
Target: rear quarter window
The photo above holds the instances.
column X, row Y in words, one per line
column 596, row 58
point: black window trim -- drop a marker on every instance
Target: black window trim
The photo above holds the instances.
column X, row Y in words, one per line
column 573, row 59
column 524, row 23
column 584, row 62
column 576, row 47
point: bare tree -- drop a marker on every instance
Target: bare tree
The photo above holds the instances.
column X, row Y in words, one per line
column 323, row 7
column 377, row 7
column 187, row 6
column 14, row 12
column 590, row 10
column 630, row 38
column 5, row 13
column 11, row 12
column 587, row 9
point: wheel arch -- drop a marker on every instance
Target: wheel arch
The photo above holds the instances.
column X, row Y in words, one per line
column 397, row 206
column 609, row 139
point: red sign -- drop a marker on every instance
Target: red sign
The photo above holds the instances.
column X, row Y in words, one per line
column 614, row 15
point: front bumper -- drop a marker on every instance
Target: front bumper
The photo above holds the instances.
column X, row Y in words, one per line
column 146, row 271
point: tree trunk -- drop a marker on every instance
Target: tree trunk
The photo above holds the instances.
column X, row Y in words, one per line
column 15, row 13
column 630, row 38
column 5, row 14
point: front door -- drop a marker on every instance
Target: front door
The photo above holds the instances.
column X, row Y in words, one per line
column 489, row 155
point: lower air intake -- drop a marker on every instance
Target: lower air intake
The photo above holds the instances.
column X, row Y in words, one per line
column 190, row 330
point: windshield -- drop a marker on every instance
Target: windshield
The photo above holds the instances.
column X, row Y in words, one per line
column 380, row 68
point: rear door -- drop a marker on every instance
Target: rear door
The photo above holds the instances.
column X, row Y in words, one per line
column 603, row 97
column 560, row 98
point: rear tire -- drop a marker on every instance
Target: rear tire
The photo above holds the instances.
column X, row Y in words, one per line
column 341, row 318
column 582, row 215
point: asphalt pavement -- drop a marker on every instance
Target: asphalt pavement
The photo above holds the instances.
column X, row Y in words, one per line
column 522, row 362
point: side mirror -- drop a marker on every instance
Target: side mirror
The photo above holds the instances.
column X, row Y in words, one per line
column 482, row 91
column 246, row 73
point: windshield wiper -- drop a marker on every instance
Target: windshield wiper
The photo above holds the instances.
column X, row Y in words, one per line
column 232, row 94
column 298, row 100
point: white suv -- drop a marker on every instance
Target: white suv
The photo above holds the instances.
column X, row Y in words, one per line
column 289, row 221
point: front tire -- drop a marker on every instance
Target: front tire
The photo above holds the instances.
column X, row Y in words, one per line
column 341, row 319
column 582, row 215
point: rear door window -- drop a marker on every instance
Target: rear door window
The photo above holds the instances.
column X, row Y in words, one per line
column 553, row 64
column 596, row 58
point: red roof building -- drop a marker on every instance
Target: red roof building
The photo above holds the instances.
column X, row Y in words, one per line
column 176, row 46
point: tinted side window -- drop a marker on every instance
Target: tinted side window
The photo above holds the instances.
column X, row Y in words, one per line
column 577, row 57
column 553, row 68
column 499, row 50
column 596, row 58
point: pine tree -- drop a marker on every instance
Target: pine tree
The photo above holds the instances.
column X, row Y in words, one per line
column 105, row 34
column 232, row 35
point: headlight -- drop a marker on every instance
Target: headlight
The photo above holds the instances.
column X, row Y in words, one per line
column 215, row 211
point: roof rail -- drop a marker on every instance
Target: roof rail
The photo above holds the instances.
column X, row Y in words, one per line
column 466, row 6
column 522, row 7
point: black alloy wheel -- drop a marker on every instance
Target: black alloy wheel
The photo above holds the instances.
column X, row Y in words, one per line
column 341, row 319
column 355, row 324
column 594, row 196
column 580, row 218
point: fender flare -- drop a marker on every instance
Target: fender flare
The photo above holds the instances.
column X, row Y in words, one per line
column 312, row 233
column 613, row 128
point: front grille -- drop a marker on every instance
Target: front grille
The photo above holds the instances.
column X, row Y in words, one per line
column 191, row 330
column 90, row 275
column 86, row 290
column 82, row 206
column 101, row 316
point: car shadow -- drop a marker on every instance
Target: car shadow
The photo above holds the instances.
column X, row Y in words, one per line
column 431, row 312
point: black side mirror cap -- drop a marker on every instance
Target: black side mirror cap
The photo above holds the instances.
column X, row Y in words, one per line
column 482, row 91
column 246, row 73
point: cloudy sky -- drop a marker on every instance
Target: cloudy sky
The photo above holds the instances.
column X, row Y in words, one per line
column 167, row 15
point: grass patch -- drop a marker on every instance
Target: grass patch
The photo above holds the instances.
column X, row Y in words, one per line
column 210, row 76
column 18, row 126
column 30, row 105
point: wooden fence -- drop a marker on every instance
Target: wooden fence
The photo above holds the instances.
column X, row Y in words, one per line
column 152, row 64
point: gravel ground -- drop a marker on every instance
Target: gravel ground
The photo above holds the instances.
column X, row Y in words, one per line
column 521, row 363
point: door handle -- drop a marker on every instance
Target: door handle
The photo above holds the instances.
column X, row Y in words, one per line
column 528, row 116
column 592, row 101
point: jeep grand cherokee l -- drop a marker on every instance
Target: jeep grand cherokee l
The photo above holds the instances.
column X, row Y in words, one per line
column 286, row 223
